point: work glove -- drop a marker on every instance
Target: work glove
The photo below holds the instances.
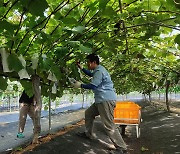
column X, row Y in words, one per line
column 77, row 84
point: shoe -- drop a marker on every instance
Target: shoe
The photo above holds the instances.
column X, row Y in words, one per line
column 86, row 136
column 20, row 135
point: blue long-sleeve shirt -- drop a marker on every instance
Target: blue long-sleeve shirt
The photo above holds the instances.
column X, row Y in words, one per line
column 88, row 86
column 101, row 84
column 87, row 72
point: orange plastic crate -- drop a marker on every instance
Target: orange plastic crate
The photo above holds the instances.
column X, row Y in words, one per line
column 129, row 102
column 127, row 113
column 124, row 104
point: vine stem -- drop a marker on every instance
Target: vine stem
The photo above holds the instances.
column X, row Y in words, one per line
column 124, row 26
column 154, row 23
column 162, row 12
column 47, row 18
column 66, row 16
column 19, row 27
column 176, row 2
column 9, row 9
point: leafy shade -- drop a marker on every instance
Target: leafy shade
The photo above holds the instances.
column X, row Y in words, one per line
column 137, row 41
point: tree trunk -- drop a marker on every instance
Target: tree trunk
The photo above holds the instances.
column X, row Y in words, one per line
column 144, row 96
column 9, row 103
column 17, row 102
column 149, row 94
column 83, row 95
column 86, row 97
column 175, row 95
column 71, row 99
column 167, row 89
column 37, row 118
column 49, row 112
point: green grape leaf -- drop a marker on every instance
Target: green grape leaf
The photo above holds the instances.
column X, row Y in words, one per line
column 155, row 5
column 2, row 10
column 92, row 6
column 128, row 1
column 30, row 70
column 52, row 22
column 27, row 85
column 102, row 4
column 75, row 74
column 44, row 36
column 177, row 21
column 59, row 94
column 138, row 20
column 45, row 90
column 45, row 64
column 15, row 87
column 37, row 7
column 1, row 2
column 69, row 21
column 78, row 29
column 109, row 12
column 3, row 83
column 14, row 63
column 46, row 107
column 7, row 26
column 177, row 39
column 56, row 70
column 74, row 43
column 85, row 49
column 61, row 52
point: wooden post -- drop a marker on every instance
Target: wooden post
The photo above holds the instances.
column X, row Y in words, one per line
column 37, row 95
column 167, row 90
column 49, row 110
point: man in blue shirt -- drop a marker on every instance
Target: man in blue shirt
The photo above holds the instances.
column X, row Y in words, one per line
column 105, row 98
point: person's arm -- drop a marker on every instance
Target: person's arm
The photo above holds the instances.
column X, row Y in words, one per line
column 97, row 78
column 87, row 72
column 88, row 86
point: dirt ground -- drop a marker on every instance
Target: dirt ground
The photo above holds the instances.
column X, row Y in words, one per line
column 160, row 134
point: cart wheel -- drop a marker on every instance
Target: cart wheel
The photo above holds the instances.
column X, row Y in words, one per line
column 123, row 129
